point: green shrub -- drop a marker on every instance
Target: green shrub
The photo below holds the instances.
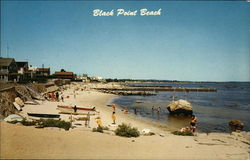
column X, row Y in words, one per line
column 54, row 123
column 28, row 123
column 12, row 122
column 125, row 130
column 98, row 129
column 187, row 133
column 45, row 123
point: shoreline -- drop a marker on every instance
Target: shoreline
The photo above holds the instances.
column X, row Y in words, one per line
column 22, row 142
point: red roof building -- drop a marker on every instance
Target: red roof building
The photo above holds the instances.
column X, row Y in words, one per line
column 64, row 75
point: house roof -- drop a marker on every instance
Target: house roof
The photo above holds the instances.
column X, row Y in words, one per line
column 6, row 61
column 44, row 69
column 21, row 64
column 64, row 73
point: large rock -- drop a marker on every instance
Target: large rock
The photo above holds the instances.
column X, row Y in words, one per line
column 13, row 117
column 19, row 101
column 236, row 125
column 180, row 107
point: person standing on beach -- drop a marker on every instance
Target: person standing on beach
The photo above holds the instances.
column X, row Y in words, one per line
column 113, row 117
column 114, row 107
column 74, row 93
column 193, row 123
column 49, row 96
column 75, row 108
column 62, row 98
column 57, row 96
column 53, row 96
column 87, row 120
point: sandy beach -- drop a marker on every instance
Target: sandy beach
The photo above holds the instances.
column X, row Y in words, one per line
column 22, row 142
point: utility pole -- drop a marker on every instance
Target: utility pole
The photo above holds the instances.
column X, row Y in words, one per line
column 8, row 49
column 43, row 70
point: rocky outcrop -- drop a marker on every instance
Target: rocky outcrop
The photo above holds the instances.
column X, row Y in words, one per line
column 7, row 97
column 235, row 125
column 18, row 94
column 180, row 107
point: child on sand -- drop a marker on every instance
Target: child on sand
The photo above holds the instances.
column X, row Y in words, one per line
column 185, row 129
column 99, row 122
column 113, row 117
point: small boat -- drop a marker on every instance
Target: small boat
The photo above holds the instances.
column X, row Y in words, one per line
column 42, row 115
column 74, row 113
column 78, row 109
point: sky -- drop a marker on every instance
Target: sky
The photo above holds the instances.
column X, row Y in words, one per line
column 189, row 41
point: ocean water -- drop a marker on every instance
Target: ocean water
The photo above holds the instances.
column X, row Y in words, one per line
column 213, row 109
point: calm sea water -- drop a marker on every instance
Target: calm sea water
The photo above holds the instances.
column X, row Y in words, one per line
column 213, row 109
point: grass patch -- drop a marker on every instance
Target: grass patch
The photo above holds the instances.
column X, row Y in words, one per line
column 126, row 130
column 187, row 133
column 54, row 123
column 105, row 128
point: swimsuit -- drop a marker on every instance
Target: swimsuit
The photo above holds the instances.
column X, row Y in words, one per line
column 192, row 123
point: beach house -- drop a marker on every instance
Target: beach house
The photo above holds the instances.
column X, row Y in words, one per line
column 43, row 71
column 23, row 70
column 8, row 70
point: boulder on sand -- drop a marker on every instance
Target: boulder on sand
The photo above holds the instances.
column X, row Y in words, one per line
column 19, row 101
column 180, row 107
column 236, row 125
column 13, row 117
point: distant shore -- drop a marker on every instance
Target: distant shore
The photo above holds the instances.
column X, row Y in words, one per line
column 21, row 142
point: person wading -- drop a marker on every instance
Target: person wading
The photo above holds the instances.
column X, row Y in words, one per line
column 193, row 123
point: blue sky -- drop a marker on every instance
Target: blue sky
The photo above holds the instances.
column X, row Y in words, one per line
column 196, row 41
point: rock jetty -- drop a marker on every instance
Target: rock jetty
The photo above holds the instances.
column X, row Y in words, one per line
column 161, row 89
column 128, row 93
